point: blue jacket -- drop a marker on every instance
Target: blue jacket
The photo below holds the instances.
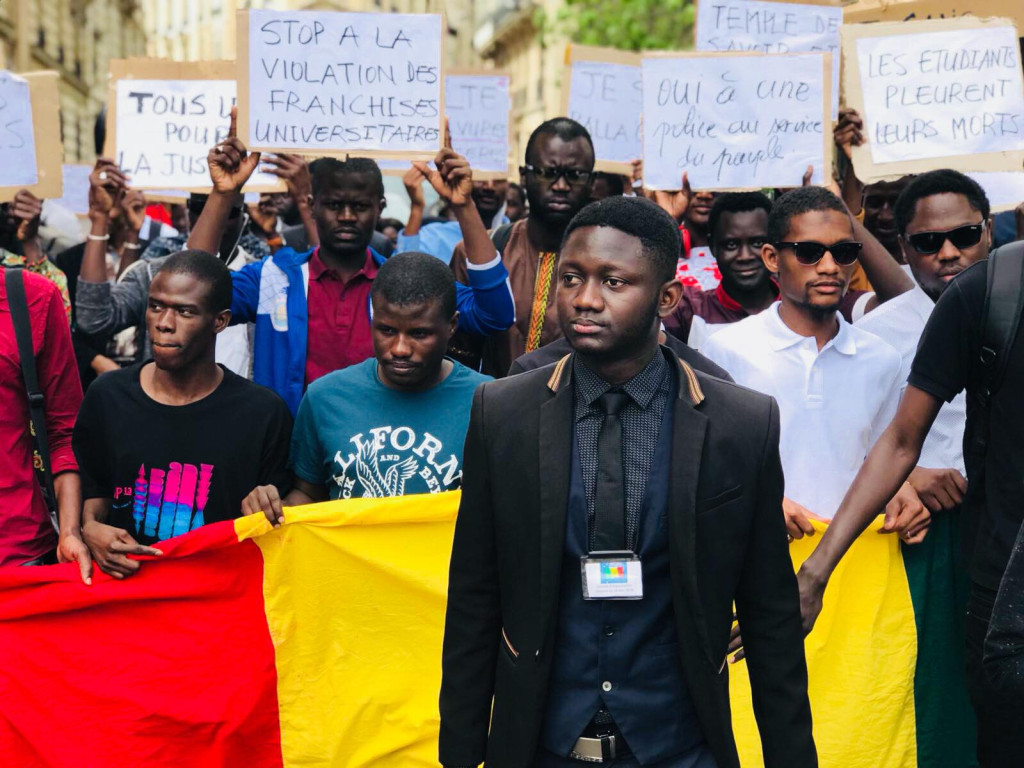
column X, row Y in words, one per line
column 272, row 294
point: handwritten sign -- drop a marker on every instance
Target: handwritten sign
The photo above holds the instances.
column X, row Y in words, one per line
column 342, row 83
column 1004, row 189
column 735, row 121
column 31, row 151
column 605, row 95
column 165, row 118
column 17, row 142
column 771, row 27
column 477, row 106
column 949, row 89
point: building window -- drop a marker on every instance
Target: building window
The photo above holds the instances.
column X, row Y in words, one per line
column 41, row 38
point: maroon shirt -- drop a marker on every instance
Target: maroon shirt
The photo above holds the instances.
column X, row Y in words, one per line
column 25, row 529
column 338, row 317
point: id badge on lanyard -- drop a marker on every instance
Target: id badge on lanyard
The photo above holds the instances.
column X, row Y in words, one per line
column 612, row 576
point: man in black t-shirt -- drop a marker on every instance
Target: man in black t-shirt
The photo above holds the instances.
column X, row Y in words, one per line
column 948, row 362
column 168, row 445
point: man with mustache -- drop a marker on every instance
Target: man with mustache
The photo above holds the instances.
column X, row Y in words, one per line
column 557, row 176
column 837, row 386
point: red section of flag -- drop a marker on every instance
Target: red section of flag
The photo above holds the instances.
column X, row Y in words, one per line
column 91, row 676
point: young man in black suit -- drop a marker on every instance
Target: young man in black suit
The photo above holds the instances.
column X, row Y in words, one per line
column 619, row 472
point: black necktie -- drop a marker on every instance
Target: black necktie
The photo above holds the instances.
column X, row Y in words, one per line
column 609, row 488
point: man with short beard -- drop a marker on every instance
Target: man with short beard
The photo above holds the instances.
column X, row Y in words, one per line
column 837, row 386
column 557, row 176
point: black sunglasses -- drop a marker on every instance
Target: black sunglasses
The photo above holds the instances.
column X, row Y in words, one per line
column 809, row 252
column 962, row 237
column 550, row 174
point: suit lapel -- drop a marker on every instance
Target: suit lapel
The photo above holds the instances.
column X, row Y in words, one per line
column 689, row 427
column 555, row 453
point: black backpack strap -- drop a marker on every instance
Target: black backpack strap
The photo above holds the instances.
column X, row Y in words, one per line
column 1004, row 304
column 500, row 237
column 15, row 283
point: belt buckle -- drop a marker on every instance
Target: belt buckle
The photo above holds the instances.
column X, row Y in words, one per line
column 586, row 749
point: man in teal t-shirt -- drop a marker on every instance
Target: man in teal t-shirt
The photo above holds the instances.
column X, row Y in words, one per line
column 395, row 424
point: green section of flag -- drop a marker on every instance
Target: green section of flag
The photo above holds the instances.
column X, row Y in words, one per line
column 946, row 731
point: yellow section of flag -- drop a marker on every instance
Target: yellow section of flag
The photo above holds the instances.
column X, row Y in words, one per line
column 355, row 601
column 861, row 658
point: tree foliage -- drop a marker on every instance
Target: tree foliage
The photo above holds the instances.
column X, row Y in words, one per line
column 631, row 25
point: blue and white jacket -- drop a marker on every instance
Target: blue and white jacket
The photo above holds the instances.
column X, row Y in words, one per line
column 272, row 294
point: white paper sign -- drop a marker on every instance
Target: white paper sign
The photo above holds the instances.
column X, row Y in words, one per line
column 733, row 121
column 1005, row 190
column 477, row 107
column 753, row 25
column 941, row 94
column 17, row 137
column 607, row 99
column 346, row 82
column 166, row 128
column 76, row 189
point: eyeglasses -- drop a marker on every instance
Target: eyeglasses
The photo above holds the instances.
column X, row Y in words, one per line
column 962, row 237
column 809, row 252
column 550, row 174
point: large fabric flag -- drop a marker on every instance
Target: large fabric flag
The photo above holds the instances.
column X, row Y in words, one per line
column 318, row 644
column 885, row 660
column 314, row 644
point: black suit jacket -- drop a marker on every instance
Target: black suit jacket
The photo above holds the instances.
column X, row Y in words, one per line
column 554, row 351
column 727, row 542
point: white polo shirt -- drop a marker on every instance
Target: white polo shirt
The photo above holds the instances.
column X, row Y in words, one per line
column 900, row 322
column 833, row 404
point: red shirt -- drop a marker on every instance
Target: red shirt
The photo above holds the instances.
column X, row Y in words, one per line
column 339, row 317
column 25, row 529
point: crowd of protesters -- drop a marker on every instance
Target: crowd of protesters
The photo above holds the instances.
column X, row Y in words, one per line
column 254, row 357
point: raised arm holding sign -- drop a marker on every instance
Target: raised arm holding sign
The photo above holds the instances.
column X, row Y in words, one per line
column 735, row 121
column 341, row 83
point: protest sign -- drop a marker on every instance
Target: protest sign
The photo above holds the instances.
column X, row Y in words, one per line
column 477, row 105
column 163, row 117
column 911, row 10
column 945, row 89
column 31, row 151
column 367, row 84
column 76, row 189
column 772, row 27
column 736, row 120
column 603, row 91
column 1004, row 189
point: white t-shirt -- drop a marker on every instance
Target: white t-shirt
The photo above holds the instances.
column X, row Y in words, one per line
column 234, row 343
column 833, row 404
column 900, row 322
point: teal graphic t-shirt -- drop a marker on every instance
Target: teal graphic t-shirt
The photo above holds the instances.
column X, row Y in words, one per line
column 363, row 439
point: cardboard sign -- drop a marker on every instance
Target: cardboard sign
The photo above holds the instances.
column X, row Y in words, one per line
column 31, row 151
column 772, row 27
column 946, row 93
column 368, row 84
column 477, row 105
column 736, row 120
column 163, row 117
column 1004, row 189
column 917, row 10
column 602, row 89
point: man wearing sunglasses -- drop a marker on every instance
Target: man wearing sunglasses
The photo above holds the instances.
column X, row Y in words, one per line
column 836, row 385
column 557, row 176
column 945, row 226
